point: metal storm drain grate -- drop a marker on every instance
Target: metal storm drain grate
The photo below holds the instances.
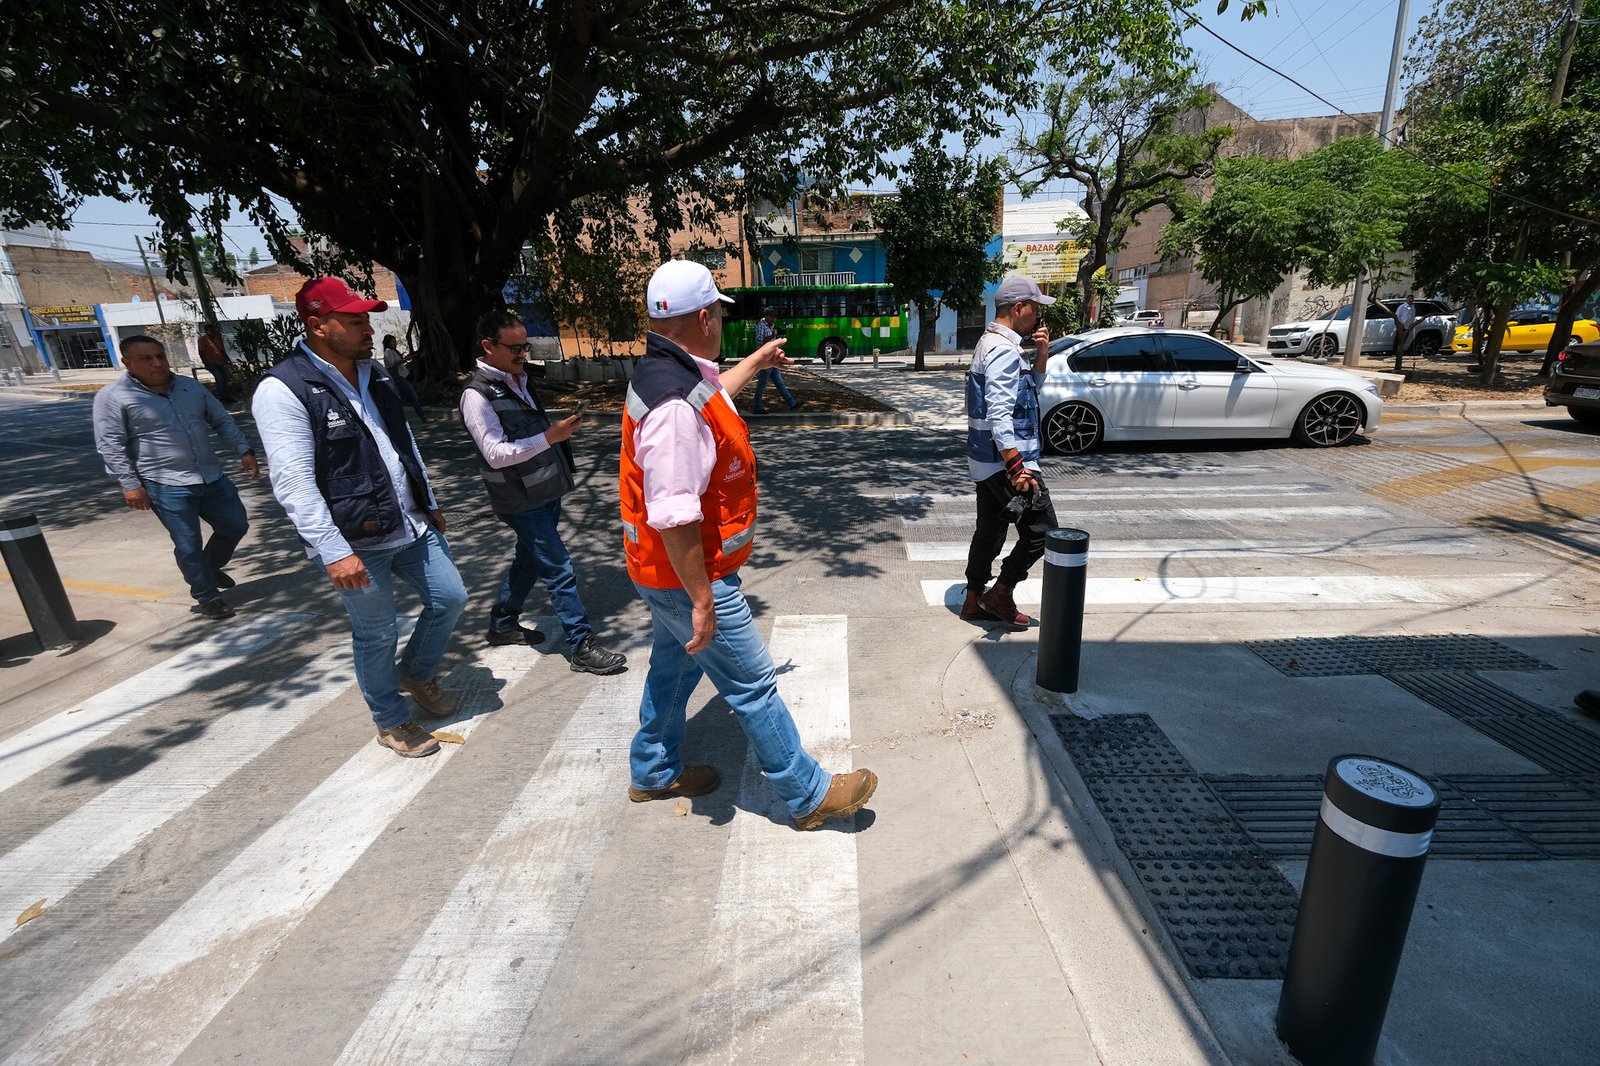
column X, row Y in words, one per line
column 1344, row 656
column 1229, row 918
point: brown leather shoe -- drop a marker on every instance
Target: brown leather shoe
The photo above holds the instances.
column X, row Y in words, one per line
column 408, row 740
column 430, row 697
column 694, row 781
column 847, row 794
column 998, row 604
column 972, row 609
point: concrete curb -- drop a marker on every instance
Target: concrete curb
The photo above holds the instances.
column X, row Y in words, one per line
column 1463, row 408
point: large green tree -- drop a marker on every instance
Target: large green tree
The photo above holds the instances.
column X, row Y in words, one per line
column 434, row 138
column 935, row 235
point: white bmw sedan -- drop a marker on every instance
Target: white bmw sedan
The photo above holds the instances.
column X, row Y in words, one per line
column 1130, row 383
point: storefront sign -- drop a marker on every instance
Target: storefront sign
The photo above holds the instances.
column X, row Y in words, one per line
column 1043, row 260
column 53, row 317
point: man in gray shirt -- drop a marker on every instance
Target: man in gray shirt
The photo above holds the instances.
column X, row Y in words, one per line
column 152, row 429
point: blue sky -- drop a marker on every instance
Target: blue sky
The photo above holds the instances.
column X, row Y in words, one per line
column 1338, row 48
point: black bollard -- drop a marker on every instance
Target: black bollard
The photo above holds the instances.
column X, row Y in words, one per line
column 1372, row 840
column 1066, row 565
column 39, row 586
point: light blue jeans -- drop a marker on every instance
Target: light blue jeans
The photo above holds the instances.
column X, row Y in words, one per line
column 424, row 564
column 773, row 376
column 740, row 667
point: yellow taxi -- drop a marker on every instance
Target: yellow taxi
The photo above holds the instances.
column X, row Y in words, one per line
column 1529, row 330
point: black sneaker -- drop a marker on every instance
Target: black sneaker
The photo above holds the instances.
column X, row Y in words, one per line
column 224, row 582
column 593, row 659
column 215, row 610
column 520, row 635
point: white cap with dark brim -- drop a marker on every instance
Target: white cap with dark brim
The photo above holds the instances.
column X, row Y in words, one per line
column 680, row 287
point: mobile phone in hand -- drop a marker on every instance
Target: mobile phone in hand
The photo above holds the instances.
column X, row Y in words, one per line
column 577, row 409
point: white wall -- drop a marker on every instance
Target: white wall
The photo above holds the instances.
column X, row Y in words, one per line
column 140, row 316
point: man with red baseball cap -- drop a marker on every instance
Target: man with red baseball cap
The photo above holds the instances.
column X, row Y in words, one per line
column 346, row 469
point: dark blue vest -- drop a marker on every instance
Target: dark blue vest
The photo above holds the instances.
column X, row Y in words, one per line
column 536, row 481
column 349, row 468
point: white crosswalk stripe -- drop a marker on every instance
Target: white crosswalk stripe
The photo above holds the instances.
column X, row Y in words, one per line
column 1452, row 545
column 1151, row 515
column 1130, row 492
column 468, row 988
column 28, row 752
column 149, row 1005
column 1256, row 589
column 785, row 979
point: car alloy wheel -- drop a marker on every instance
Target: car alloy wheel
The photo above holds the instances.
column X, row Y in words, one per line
column 1073, row 428
column 1329, row 420
column 831, row 350
column 1323, row 346
column 1427, row 346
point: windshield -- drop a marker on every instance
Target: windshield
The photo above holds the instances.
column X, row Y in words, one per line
column 1061, row 344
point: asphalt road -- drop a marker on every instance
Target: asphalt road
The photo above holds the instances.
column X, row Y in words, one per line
column 231, row 870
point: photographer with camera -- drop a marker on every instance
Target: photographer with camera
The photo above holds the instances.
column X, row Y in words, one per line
column 1003, row 450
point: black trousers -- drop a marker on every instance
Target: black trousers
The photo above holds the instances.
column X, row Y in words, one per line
column 989, row 538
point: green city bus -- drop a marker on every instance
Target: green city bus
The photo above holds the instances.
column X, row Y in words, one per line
column 826, row 321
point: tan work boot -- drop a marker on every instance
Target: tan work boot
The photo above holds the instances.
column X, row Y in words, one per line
column 972, row 608
column 847, row 794
column 430, row 697
column 998, row 604
column 694, row 781
column 408, row 740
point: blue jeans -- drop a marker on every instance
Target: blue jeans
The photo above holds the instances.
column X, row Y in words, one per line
column 424, row 564
column 775, row 377
column 541, row 556
column 408, row 393
column 219, row 372
column 180, row 508
column 739, row 665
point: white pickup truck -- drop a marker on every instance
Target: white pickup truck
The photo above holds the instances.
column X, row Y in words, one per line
column 1325, row 338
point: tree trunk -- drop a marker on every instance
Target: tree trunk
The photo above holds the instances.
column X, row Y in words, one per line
column 927, row 322
column 1222, row 313
column 1491, row 344
column 1575, row 297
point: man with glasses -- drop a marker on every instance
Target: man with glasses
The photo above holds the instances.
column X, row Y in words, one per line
column 526, row 463
column 1003, row 451
column 346, row 469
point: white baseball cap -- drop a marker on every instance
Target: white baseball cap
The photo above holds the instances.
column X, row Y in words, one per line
column 680, row 287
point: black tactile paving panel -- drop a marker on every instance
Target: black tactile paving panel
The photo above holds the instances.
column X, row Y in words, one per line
column 1119, row 744
column 1561, row 817
column 1465, row 695
column 1228, row 918
column 1168, row 818
column 1561, row 746
column 1351, row 655
column 1280, row 814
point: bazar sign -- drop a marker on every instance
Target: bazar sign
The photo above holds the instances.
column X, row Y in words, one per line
column 1043, row 260
column 75, row 315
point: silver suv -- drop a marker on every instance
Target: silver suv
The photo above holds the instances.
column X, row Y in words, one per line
column 1325, row 338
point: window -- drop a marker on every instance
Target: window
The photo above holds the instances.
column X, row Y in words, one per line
column 1199, row 355
column 1120, row 355
column 816, row 260
column 710, row 258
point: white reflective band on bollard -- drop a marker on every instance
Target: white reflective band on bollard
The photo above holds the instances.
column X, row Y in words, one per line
column 1064, row 559
column 1370, row 838
column 22, row 533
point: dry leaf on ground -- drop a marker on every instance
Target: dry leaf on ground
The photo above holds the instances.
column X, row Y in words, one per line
column 31, row 913
column 449, row 738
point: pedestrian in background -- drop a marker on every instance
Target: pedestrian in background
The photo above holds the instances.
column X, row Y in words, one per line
column 215, row 358
column 152, row 429
column 348, row 473
column 400, row 374
column 688, row 491
column 1003, row 449
column 1405, row 317
column 526, row 464
column 766, row 330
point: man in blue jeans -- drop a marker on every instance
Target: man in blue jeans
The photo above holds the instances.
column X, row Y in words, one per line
column 526, row 464
column 347, row 471
column 766, row 330
column 152, row 429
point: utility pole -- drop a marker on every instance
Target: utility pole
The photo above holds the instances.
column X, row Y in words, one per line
column 1358, row 299
column 155, row 295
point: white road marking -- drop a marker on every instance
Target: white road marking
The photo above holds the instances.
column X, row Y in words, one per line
column 28, row 752
column 1451, row 545
column 156, row 999
column 472, row 981
column 1268, row 515
column 784, row 981
column 59, row 859
column 1178, row 591
column 1127, row 492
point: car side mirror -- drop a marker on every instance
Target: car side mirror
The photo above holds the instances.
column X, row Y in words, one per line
column 1242, row 366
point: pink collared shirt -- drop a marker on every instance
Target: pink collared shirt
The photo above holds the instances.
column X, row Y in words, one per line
column 484, row 424
column 674, row 447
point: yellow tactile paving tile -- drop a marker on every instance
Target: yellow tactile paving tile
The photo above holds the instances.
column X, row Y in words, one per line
column 1431, row 484
column 130, row 592
column 1555, row 506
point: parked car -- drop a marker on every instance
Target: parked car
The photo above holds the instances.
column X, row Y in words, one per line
column 1132, row 383
column 1149, row 316
column 1529, row 329
column 1575, row 383
column 1324, row 338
